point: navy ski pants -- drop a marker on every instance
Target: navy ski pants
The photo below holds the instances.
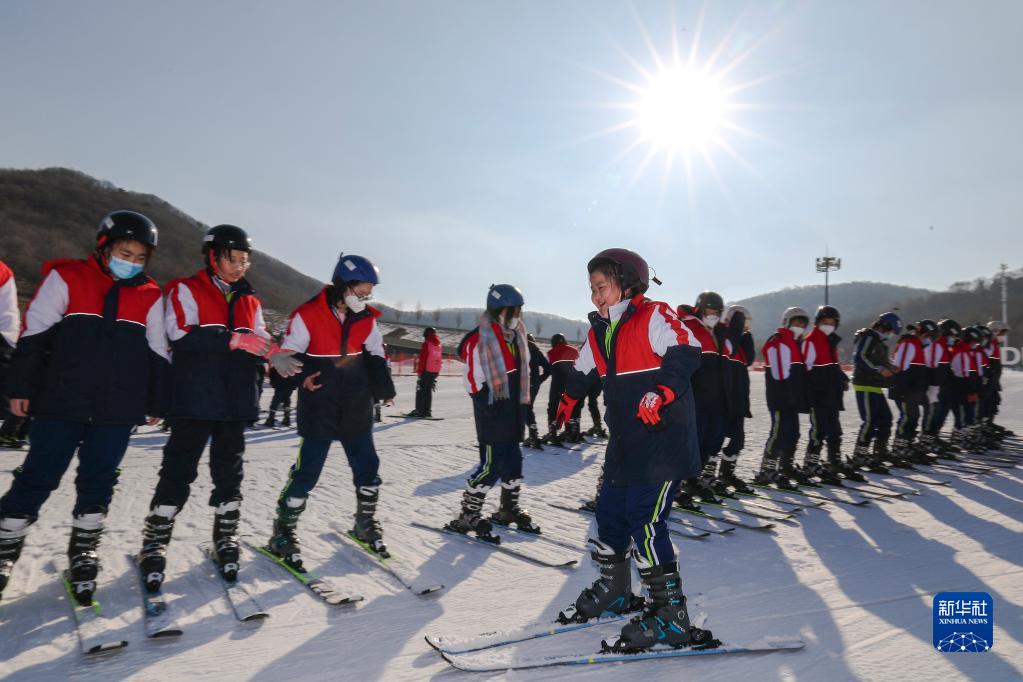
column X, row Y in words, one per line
column 875, row 414
column 312, row 454
column 637, row 515
column 181, row 455
column 53, row 444
column 500, row 462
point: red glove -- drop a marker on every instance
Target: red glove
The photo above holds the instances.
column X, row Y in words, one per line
column 650, row 405
column 250, row 343
column 565, row 409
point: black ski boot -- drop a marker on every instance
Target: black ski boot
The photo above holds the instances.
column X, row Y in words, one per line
column 367, row 529
column 881, row 455
column 591, row 505
column 533, row 441
column 510, row 512
column 597, row 431
column 377, row 414
column 665, row 620
column 572, row 432
column 225, row 538
column 471, row 518
column 609, row 594
column 727, row 476
column 156, row 535
column 812, row 466
column 284, row 541
column 838, row 467
column 13, row 530
column 552, row 437
column 286, row 420
column 271, row 420
column 86, row 530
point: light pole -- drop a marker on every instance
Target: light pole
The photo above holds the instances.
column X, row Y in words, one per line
column 1005, row 296
column 827, row 264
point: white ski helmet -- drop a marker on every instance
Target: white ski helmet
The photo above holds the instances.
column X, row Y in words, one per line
column 791, row 314
column 997, row 327
column 732, row 309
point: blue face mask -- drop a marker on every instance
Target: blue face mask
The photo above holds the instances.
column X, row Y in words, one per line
column 123, row 269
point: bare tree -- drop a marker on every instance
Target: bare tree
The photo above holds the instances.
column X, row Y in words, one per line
column 398, row 312
column 436, row 316
column 419, row 311
column 458, row 319
column 538, row 327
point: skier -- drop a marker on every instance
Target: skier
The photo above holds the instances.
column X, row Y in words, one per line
column 593, row 405
column 428, row 365
column 561, row 357
column 334, row 340
column 909, row 391
column 872, row 374
column 967, row 371
column 786, row 398
column 825, row 384
column 992, row 399
column 89, row 366
column 940, row 387
column 217, row 338
column 738, row 353
column 702, row 321
column 283, row 388
column 645, row 358
column 496, row 356
column 539, row 372
column 10, row 324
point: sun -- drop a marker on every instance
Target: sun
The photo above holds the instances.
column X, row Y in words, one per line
column 681, row 109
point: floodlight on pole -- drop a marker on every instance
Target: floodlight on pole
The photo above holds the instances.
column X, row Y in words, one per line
column 828, row 264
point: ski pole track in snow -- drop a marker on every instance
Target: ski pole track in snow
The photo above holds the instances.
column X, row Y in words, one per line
column 853, row 582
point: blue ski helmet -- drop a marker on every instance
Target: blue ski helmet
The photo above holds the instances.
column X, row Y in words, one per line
column 892, row 321
column 353, row 268
column 504, row 296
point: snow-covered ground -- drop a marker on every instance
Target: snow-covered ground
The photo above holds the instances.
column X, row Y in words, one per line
column 855, row 583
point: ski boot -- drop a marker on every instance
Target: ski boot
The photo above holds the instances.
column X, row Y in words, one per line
column 86, row 530
column 225, row 538
column 839, row 468
column 156, row 535
column 284, row 541
column 271, row 420
column 699, row 491
column 471, row 519
column 533, row 441
column 552, row 437
column 510, row 512
column 665, row 620
column 414, row 414
column 286, row 420
column 813, row 468
column 727, row 477
column 13, row 530
column 10, row 442
column 591, row 505
column 609, row 594
column 367, row 529
column 572, row 432
column 377, row 415
column 597, row 431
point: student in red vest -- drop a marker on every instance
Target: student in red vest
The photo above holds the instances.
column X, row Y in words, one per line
column 10, row 325
column 333, row 339
column 909, row 391
column 496, row 356
column 644, row 356
column 737, row 352
column 786, row 398
column 992, row 395
column 561, row 357
column 826, row 385
column 217, row 338
column 428, row 365
column 88, row 367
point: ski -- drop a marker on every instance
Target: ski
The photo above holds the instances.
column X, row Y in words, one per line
column 317, row 585
column 779, row 496
column 875, row 489
column 776, row 506
column 159, row 619
column 408, row 418
column 400, row 569
column 488, row 661
column 498, row 638
column 89, row 621
column 691, row 532
column 713, row 526
column 816, row 496
column 737, row 507
column 727, row 518
column 543, row 537
column 497, row 547
column 242, row 602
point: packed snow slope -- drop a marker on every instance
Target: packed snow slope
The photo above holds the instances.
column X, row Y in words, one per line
column 855, row 583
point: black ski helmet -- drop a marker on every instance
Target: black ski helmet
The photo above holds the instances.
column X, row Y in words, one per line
column 529, row 337
column 927, row 327
column 949, row 327
column 126, row 225
column 828, row 311
column 971, row 334
column 557, row 338
column 429, row 331
column 709, row 299
column 630, row 269
column 225, row 238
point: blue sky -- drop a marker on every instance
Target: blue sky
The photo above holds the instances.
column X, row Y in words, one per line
column 455, row 142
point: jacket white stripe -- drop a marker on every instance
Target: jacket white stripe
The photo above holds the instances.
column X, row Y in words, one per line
column 10, row 318
column 48, row 306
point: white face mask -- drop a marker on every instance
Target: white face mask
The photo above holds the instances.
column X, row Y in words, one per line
column 355, row 303
column 827, row 329
column 711, row 320
column 508, row 322
column 797, row 331
column 887, row 335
